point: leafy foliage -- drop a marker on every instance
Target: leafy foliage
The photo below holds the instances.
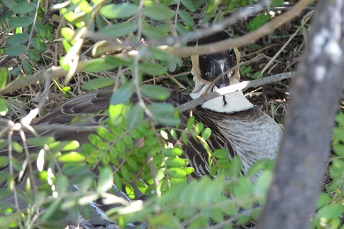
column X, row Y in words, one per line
column 131, row 149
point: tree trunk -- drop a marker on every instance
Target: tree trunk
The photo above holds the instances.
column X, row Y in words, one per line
column 306, row 144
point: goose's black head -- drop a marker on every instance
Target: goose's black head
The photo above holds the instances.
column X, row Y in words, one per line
column 208, row 67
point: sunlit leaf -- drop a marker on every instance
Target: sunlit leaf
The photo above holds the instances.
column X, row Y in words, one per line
column 64, row 145
column 172, row 152
column 176, row 162
column 206, row 133
column 71, row 157
column 3, row 77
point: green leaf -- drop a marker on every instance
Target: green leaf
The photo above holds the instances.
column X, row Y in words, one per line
column 189, row 5
column 40, row 141
column 190, row 123
column 275, row 3
column 20, row 22
column 260, row 165
column 3, row 77
column 123, row 93
column 258, row 21
column 83, row 5
column 33, row 55
column 339, row 149
column 119, row 30
column 105, row 180
column 235, row 166
column 155, row 91
column 38, row 44
column 117, row 113
column 198, row 128
column 117, row 180
column 176, row 172
column 152, row 68
column 132, row 163
column 263, row 183
column 153, row 32
column 206, row 133
column 161, row 109
column 15, row 50
column 187, row 19
column 158, row 54
column 176, row 162
column 27, row 67
column 3, row 107
column 135, row 116
column 221, row 153
column 71, row 157
column 125, row 173
column 102, row 64
column 9, row 3
column 98, row 83
column 3, row 161
column 172, row 152
column 24, row 7
column 113, row 11
column 68, row 34
column 324, row 198
column 158, row 11
column 167, row 121
column 64, row 145
column 19, row 38
column 331, row 211
column 17, row 147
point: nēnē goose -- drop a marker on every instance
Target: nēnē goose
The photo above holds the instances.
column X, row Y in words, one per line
column 237, row 124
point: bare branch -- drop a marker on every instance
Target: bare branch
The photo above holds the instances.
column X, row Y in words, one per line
column 234, row 88
column 306, row 143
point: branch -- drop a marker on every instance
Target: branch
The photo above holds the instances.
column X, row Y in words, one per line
column 306, row 144
column 234, row 88
column 244, row 40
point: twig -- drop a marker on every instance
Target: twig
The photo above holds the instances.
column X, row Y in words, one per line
column 244, row 40
column 304, row 20
column 234, row 18
column 234, row 88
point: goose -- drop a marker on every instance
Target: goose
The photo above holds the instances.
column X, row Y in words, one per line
column 237, row 124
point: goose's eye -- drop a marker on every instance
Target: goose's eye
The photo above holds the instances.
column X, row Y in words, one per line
column 231, row 52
